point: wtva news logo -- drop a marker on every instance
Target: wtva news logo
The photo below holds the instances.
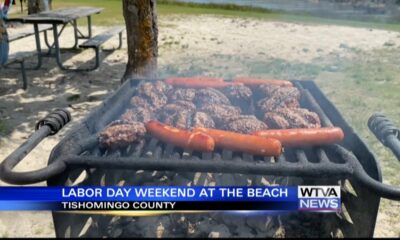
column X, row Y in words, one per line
column 319, row 198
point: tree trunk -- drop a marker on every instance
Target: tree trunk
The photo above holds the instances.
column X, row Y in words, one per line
column 36, row 6
column 142, row 33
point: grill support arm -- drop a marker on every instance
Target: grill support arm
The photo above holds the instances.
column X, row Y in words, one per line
column 385, row 131
column 50, row 125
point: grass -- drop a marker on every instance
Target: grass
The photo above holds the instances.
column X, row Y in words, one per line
column 112, row 13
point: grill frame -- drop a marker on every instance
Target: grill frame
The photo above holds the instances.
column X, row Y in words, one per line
column 114, row 106
column 362, row 208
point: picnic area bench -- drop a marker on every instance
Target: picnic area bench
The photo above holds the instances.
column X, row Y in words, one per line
column 55, row 18
column 20, row 58
column 28, row 33
column 97, row 41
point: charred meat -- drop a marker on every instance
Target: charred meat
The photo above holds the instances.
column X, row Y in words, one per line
column 245, row 124
column 209, row 96
column 177, row 114
column 177, row 106
column 121, row 134
column 149, row 88
column 140, row 102
column 181, row 94
column 267, row 90
column 153, row 93
column 201, row 119
column 238, row 95
column 292, row 118
column 139, row 114
column 181, row 119
column 282, row 97
column 221, row 113
column 187, row 119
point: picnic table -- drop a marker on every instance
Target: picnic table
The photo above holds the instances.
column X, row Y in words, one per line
column 63, row 17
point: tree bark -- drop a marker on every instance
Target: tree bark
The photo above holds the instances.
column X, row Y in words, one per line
column 142, row 33
column 36, row 6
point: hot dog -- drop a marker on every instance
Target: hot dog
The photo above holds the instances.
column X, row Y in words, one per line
column 304, row 136
column 196, row 141
column 172, row 80
column 256, row 82
column 243, row 143
column 202, row 84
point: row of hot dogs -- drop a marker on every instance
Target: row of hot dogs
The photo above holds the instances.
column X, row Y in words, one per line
column 263, row 143
column 204, row 82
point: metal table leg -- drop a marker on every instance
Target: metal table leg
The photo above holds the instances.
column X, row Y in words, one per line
column 38, row 47
column 89, row 19
column 46, row 40
column 75, row 26
column 79, row 34
column 52, row 45
column 58, row 52
column 57, row 47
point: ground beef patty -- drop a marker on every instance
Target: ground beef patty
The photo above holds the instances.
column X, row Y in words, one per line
column 181, row 94
column 239, row 95
column 177, row 106
column 140, row 102
column 283, row 118
column 202, row 119
column 187, row 119
column 139, row 114
column 177, row 114
column 220, row 113
column 281, row 97
column 245, row 124
column 153, row 93
column 209, row 96
column 121, row 134
column 148, row 88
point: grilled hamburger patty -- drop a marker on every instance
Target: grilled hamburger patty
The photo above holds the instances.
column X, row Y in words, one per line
column 292, row 118
column 209, row 96
column 239, row 95
column 221, row 113
column 138, row 114
column 245, row 124
column 153, row 93
column 282, row 97
column 202, row 119
column 121, row 134
column 137, row 102
column 181, row 94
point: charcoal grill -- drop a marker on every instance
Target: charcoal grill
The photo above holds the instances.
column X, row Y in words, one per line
column 78, row 160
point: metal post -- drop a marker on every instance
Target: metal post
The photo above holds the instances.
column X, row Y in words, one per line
column 75, row 25
column 57, row 47
column 46, row 40
column 38, row 47
column 120, row 41
column 24, row 79
column 89, row 18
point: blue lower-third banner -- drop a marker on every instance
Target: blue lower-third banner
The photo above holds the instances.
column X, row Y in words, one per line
column 172, row 198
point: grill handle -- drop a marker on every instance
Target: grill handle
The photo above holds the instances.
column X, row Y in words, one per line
column 386, row 132
column 388, row 135
column 49, row 125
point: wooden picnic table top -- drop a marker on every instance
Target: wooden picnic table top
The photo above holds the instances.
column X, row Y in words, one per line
column 61, row 16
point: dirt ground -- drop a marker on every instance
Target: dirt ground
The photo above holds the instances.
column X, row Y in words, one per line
column 189, row 45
